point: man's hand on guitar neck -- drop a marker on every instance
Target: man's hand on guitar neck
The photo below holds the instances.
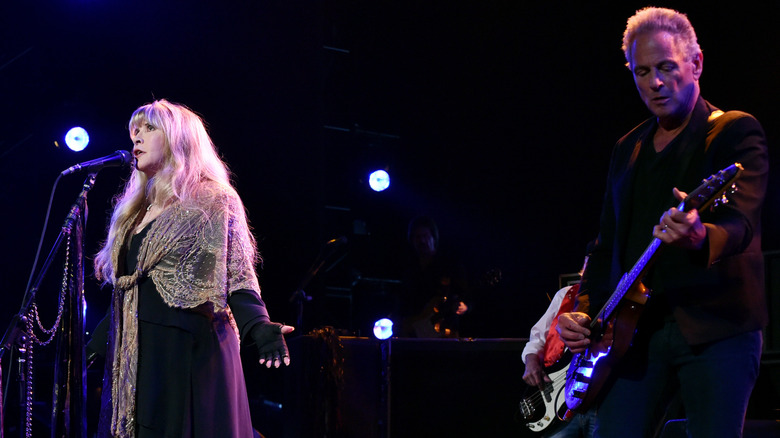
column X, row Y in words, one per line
column 679, row 228
column 573, row 331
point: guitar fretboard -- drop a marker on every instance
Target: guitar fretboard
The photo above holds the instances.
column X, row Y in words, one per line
column 628, row 279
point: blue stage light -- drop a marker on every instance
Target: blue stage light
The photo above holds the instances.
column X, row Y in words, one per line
column 383, row 328
column 379, row 180
column 77, row 139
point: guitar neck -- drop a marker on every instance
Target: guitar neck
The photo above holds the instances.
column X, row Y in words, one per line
column 628, row 280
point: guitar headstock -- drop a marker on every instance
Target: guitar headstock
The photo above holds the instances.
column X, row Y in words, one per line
column 712, row 189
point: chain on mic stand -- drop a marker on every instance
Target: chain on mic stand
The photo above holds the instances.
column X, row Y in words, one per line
column 25, row 339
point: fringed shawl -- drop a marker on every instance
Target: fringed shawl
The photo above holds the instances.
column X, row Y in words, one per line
column 194, row 254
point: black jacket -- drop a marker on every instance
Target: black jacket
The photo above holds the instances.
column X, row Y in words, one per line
column 718, row 291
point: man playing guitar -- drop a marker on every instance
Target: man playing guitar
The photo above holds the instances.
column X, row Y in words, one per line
column 700, row 330
column 545, row 368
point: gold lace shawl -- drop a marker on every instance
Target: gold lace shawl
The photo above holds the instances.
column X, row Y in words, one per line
column 194, row 255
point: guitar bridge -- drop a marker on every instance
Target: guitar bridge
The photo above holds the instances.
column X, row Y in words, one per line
column 527, row 410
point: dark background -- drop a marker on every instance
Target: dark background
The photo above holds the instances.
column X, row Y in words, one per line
column 496, row 118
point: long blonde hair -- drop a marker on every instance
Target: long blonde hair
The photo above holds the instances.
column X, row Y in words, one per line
column 191, row 159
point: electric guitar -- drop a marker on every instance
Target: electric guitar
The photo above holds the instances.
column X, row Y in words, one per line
column 612, row 330
column 544, row 407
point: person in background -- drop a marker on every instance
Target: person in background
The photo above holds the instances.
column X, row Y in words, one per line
column 700, row 331
column 434, row 286
column 181, row 259
column 544, row 350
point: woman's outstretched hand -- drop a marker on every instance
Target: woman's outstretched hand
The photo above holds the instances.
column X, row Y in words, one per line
column 269, row 337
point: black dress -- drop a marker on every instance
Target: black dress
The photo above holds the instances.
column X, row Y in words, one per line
column 190, row 382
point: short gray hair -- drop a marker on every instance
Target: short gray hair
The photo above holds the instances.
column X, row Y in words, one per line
column 652, row 19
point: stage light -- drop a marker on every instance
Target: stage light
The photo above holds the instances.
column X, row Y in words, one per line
column 383, row 328
column 379, row 180
column 77, row 139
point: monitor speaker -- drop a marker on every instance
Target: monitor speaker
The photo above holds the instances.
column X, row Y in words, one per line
column 361, row 387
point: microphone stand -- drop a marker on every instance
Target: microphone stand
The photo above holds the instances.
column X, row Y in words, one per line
column 74, row 361
column 299, row 297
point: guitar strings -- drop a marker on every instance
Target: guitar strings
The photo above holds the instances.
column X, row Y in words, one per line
column 538, row 395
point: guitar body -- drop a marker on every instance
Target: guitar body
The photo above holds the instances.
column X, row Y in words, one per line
column 590, row 370
column 544, row 407
column 439, row 319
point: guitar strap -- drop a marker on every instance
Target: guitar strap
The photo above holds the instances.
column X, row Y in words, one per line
column 553, row 346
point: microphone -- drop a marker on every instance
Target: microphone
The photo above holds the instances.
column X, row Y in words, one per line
column 117, row 159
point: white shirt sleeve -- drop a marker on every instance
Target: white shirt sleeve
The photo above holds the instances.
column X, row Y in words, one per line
column 539, row 331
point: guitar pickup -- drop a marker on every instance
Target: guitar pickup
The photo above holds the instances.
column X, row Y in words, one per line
column 579, row 377
column 578, row 388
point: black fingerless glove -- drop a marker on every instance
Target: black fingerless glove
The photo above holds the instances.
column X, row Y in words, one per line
column 270, row 343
